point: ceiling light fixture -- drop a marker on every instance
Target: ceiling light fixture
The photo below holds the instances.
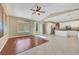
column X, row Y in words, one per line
column 37, row 10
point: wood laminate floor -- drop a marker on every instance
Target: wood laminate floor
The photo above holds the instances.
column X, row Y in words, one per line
column 21, row 44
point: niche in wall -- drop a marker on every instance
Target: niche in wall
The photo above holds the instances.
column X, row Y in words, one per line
column 57, row 26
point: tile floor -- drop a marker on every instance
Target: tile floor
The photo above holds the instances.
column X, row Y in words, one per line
column 56, row 45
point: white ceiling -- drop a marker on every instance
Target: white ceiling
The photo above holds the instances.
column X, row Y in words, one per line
column 23, row 10
column 65, row 17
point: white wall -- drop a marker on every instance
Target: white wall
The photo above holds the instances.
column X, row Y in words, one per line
column 72, row 24
column 40, row 27
column 13, row 26
column 48, row 27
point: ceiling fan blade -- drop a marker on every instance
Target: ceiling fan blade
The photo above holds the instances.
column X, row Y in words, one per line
column 34, row 13
column 32, row 9
column 38, row 7
column 42, row 11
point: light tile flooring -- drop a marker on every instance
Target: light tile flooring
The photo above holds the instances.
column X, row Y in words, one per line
column 56, row 45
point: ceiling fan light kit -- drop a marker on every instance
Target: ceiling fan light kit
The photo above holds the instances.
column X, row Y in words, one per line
column 38, row 13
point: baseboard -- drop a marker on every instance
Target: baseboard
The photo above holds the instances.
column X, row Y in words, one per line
column 21, row 36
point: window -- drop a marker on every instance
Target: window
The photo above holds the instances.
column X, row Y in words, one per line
column 23, row 27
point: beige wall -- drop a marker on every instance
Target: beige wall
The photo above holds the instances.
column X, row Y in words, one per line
column 13, row 21
column 71, row 23
column 48, row 27
column 40, row 29
column 5, row 21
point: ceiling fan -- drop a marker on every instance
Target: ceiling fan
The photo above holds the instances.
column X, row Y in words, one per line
column 37, row 10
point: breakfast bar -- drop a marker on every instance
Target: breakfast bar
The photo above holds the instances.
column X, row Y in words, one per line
column 67, row 33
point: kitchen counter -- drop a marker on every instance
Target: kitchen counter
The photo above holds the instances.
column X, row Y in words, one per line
column 67, row 33
column 61, row 33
